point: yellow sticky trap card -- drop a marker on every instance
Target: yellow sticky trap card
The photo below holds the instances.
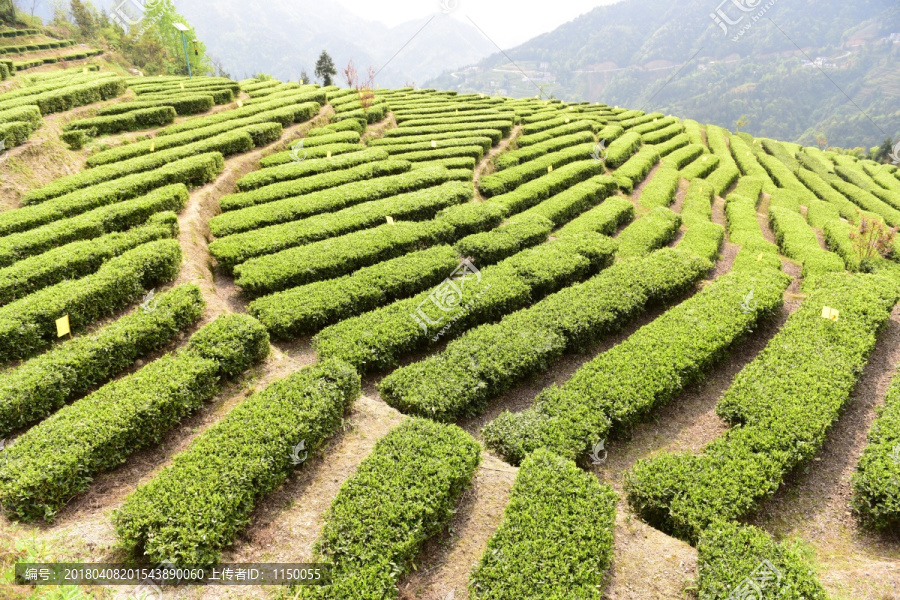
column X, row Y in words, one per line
column 390, row 220
column 433, row 144
column 62, row 326
column 550, row 169
column 181, row 83
column 830, row 313
column 759, row 258
column 240, row 103
column 152, row 146
column 328, row 155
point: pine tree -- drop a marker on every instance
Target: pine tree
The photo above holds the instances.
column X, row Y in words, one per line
column 325, row 68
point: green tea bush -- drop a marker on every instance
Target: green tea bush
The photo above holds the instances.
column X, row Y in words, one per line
column 646, row 371
column 234, row 464
column 326, row 200
column 102, row 430
column 40, row 386
column 106, row 219
column 313, row 183
column 780, row 429
column 273, row 272
column 79, row 259
column 27, row 326
column 731, row 561
column 510, row 285
column 556, row 535
column 309, row 308
column 145, row 118
column 403, row 493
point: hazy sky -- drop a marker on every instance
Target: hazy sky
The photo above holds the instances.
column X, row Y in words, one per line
column 506, row 22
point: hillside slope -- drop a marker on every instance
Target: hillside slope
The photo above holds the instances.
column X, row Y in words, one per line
column 625, row 53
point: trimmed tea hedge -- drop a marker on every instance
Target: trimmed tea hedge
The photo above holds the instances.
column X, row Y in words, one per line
column 654, row 230
column 705, row 166
column 226, row 144
column 508, row 286
column 44, row 384
column 281, row 158
column 731, row 556
column 556, row 535
column 234, row 464
column 492, row 134
column 684, row 156
column 797, row 240
column 309, row 308
column 493, row 353
column 184, row 104
column 106, row 219
column 145, row 118
column 661, row 190
column 636, row 168
column 69, row 97
column 568, row 204
column 876, row 483
column 697, row 205
column 514, row 236
column 622, row 148
column 528, row 153
column 511, row 178
column 606, row 218
column 313, row 183
column 28, row 326
column 536, row 191
column 650, row 368
column 280, row 239
column 79, row 259
column 327, row 200
column 264, row 129
column 785, row 401
column 102, row 430
column 305, row 168
column 403, row 493
column 195, row 170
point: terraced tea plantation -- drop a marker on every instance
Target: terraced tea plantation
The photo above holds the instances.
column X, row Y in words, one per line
column 454, row 346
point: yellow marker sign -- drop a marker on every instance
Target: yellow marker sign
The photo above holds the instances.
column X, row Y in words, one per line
column 328, row 155
column 181, row 83
column 550, row 169
column 390, row 220
column 433, row 144
column 152, row 146
column 301, row 82
column 759, row 258
column 830, row 313
column 62, row 326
